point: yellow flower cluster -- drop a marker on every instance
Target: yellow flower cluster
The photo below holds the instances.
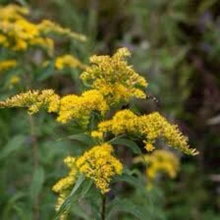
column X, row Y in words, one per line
column 7, row 65
column 18, row 34
column 99, row 165
column 114, row 78
column 68, row 61
column 34, row 101
column 64, row 185
column 12, row 12
column 68, row 107
column 149, row 127
column 160, row 161
column 81, row 107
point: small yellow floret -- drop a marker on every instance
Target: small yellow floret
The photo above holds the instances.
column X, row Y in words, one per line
column 149, row 147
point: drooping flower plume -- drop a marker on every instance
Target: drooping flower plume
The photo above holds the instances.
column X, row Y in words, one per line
column 147, row 127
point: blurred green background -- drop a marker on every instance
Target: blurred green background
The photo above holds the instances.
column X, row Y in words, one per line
column 176, row 46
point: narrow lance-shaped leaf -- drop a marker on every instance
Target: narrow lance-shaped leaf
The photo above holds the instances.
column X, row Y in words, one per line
column 65, row 208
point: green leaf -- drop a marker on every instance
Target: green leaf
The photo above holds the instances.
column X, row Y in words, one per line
column 131, row 180
column 65, row 208
column 126, row 206
column 83, row 138
column 86, row 187
column 37, row 183
column 11, row 203
column 131, row 144
column 15, row 144
column 21, row 213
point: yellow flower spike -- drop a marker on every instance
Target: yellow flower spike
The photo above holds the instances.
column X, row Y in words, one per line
column 64, row 184
column 34, row 101
column 19, row 34
column 114, row 78
column 99, row 165
column 148, row 127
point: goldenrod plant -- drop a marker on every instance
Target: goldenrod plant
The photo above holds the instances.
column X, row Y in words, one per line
column 29, row 51
column 106, row 128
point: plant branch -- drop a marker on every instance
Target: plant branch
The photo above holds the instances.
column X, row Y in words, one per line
column 36, row 163
column 103, row 206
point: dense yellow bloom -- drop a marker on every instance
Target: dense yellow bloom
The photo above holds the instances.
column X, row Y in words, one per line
column 68, row 107
column 68, row 61
column 7, row 64
column 160, row 161
column 20, row 34
column 34, row 101
column 149, row 127
column 81, row 107
column 99, row 165
column 114, row 78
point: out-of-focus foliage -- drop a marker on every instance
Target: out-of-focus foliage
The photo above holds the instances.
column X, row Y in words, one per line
column 176, row 44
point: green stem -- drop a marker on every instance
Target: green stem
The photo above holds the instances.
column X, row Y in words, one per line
column 36, row 163
column 103, row 206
